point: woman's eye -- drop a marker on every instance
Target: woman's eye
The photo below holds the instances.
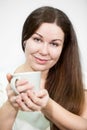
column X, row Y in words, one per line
column 54, row 44
column 37, row 39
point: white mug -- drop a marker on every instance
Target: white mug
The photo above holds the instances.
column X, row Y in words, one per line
column 33, row 77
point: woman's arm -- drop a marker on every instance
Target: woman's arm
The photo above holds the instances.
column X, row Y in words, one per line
column 7, row 116
column 8, row 111
column 59, row 115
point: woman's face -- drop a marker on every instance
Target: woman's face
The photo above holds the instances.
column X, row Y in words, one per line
column 43, row 48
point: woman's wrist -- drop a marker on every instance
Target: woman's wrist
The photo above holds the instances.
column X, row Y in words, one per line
column 47, row 110
column 10, row 108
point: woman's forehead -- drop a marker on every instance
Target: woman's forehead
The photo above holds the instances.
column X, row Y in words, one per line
column 50, row 30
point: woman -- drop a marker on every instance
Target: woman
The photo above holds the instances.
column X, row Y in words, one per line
column 50, row 46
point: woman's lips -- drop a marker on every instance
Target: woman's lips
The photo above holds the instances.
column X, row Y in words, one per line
column 41, row 61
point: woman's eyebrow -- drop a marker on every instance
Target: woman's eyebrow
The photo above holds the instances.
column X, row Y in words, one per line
column 38, row 34
column 57, row 40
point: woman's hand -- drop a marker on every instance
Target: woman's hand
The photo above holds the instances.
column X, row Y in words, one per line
column 33, row 101
column 10, row 93
column 22, row 87
column 28, row 99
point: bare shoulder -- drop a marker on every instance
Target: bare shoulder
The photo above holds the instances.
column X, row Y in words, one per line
column 84, row 114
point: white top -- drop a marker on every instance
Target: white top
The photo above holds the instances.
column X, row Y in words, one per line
column 24, row 120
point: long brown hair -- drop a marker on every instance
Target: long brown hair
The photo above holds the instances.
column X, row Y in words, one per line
column 64, row 80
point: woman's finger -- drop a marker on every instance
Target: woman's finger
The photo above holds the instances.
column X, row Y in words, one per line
column 31, row 105
column 9, row 77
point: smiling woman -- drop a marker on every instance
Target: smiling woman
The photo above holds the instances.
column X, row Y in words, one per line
column 44, row 47
column 50, row 45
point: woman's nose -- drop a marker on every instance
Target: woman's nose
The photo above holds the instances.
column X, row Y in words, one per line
column 44, row 49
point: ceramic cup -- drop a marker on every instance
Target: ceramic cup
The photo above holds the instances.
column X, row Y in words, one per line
column 33, row 77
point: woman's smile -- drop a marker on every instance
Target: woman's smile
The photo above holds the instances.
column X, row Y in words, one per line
column 41, row 60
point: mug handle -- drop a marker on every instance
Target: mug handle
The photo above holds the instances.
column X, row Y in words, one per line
column 12, row 84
